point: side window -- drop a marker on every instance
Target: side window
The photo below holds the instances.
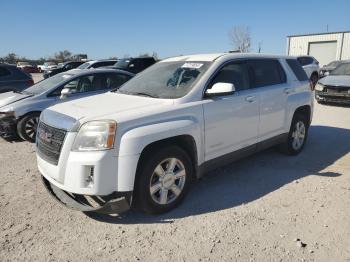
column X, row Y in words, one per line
column 305, row 60
column 4, row 72
column 69, row 66
column 297, row 69
column 84, row 84
column 236, row 73
column 266, row 72
column 116, row 80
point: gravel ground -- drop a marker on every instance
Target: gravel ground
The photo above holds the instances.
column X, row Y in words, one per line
column 252, row 210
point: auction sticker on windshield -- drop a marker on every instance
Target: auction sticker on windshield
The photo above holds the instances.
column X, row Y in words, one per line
column 192, row 65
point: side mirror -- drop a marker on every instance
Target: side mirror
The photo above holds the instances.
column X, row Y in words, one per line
column 131, row 65
column 220, row 89
column 65, row 93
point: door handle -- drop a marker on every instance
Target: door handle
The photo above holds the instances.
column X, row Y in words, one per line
column 250, row 99
column 287, row 90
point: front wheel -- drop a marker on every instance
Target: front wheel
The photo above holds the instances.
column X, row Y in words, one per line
column 27, row 127
column 163, row 180
column 296, row 136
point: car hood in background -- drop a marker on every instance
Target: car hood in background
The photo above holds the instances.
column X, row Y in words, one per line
column 99, row 107
column 336, row 80
column 11, row 97
column 328, row 68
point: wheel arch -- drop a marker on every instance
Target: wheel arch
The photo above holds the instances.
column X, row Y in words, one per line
column 185, row 142
column 304, row 110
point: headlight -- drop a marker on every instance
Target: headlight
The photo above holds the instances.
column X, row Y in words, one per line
column 319, row 87
column 95, row 136
column 7, row 112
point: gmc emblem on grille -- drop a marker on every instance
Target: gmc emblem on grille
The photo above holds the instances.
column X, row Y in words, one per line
column 45, row 136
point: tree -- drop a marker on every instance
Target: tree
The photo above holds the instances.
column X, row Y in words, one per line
column 62, row 56
column 11, row 58
column 240, row 38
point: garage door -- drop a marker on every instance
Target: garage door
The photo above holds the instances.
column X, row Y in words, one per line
column 324, row 52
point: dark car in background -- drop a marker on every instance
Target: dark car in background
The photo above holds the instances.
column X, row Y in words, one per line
column 14, row 79
column 134, row 65
column 97, row 63
column 335, row 87
column 62, row 68
column 327, row 69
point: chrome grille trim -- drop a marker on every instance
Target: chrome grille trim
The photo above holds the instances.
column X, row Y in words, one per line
column 50, row 150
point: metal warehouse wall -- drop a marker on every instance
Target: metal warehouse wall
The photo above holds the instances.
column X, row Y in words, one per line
column 299, row 45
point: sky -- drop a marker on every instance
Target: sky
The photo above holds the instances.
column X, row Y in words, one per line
column 113, row 28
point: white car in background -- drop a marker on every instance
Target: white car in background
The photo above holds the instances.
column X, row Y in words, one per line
column 311, row 67
column 47, row 66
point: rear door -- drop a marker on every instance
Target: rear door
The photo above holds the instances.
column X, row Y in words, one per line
column 270, row 82
column 231, row 122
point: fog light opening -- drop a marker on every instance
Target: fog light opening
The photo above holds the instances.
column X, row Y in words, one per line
column 89, row 179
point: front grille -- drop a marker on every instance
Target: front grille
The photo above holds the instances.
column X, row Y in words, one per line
column 337, row 89
column 49, row 142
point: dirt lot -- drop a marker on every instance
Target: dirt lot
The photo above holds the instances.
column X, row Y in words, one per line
column 252, row 210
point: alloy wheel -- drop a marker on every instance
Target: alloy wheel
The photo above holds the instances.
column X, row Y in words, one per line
column 298, row 135
column 31, row 127
column 167, row 181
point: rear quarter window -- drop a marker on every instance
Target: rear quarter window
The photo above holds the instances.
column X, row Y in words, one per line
column 297, row 69
column 266, row 72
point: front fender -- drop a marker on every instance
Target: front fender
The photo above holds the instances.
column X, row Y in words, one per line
column 134, row 141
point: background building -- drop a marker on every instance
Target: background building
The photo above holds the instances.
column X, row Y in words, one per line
column 325, row 47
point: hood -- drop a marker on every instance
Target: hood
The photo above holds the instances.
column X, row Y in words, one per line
column 102, row 106
column 11, row 97
column 336, row 80
column 328, row 68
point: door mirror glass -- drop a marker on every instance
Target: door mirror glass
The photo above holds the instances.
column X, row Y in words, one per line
column 220, row 89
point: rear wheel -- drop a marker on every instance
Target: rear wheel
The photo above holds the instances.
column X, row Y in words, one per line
column 27, row 126
column 163, row 180
column 297, row 135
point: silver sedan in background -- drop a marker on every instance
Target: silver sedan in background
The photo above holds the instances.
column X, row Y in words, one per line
column 20, row 111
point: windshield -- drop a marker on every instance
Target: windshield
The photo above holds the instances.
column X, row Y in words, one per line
column 334, row 63
column 166, row 79
column 47, row 84
column 122, row 63
column 343, row 69
column 84, row 66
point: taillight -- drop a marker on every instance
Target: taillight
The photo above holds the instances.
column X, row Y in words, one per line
column 312, row 86
column 30, row 82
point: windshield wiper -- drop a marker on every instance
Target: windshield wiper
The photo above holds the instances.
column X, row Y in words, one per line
column 22, row 92
column 134, row 93
column 144, row 94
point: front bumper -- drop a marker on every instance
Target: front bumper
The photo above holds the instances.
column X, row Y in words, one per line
column 8, row 127
column 115, row 203
column 341, row 98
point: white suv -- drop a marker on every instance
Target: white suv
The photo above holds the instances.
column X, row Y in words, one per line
column 311, row 67
column 143, row 144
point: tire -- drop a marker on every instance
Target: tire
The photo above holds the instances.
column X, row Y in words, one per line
column 157, row 190
column 27, row 126
column 298, row 132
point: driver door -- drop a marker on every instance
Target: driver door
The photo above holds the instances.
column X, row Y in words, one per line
column 231, row 121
